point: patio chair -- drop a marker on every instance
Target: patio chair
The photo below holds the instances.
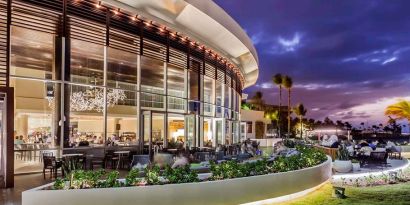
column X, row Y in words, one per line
column 201, row 156
column 379, row 157
column 111, row 158
column 140, row 159
column 219, row 155
column 242, row 157
column 50, row 163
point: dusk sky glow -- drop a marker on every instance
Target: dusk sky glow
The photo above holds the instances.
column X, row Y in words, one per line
column 348, row 59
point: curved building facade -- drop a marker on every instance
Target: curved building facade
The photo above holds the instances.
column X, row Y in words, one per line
column 145, row 74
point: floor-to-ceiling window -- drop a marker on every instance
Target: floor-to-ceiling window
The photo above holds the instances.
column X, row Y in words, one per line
column 122, row 115
column 86, row 94
column 152, row 83
column 37, row 96
column 208, row 96
column 176, row 88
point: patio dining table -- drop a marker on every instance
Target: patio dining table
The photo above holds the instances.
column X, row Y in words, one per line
column 120, row 156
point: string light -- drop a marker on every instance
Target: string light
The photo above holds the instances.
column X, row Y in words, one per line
column 116, row 12
column 163, row 29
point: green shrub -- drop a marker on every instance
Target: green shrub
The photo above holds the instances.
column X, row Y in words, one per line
column 111, row 180
column 131, row 178
column 180, row 175
column 152, row 175
column 59, row 184
column 80, row 179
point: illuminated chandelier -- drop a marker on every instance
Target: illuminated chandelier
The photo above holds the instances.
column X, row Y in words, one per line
column 92, row 99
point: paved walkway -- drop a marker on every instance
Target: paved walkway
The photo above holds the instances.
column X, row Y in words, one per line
column 21, row 183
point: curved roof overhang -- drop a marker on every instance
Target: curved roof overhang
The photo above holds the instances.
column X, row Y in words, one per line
column 205, row 22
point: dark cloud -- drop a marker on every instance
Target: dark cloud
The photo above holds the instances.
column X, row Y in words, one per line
column 341, row 53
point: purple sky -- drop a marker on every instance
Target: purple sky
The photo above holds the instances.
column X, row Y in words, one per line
column 348, row 59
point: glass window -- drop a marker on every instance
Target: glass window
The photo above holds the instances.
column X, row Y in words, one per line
column 194, row 86
column 32, row 54
column 86, row 116
column 158, row 129
column 249, row 127
column 190, row 126
column 122, row 118
column 176, row 132
column 208, row 95
column 176, row 88
column 219, row 98
column 209, row 139
column 87, row 62
column 152, row 83
column 122, row 69
column 36, row 121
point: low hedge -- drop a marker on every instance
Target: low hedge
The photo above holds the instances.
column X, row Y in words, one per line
column 80, row 179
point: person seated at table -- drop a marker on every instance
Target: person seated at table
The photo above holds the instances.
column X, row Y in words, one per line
column 371, row 144
column 180, row 143
column 108, row 142
column 18, row 140
column 363, row 144
column 219, row 148
column 366, row 150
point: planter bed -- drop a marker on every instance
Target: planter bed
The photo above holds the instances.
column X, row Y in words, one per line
column 228, row 191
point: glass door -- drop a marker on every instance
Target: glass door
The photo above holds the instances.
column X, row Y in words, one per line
column 190, row 131
column 243, row 131
column 153, row 132
column 145, row 141
column 219, row 131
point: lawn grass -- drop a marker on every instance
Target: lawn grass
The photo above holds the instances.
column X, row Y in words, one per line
column 397, row 194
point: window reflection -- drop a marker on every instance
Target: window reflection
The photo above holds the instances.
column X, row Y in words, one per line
column 152, row 83
column 32, row 53
column 86, row 119
column 87, row 62
column 176, row 88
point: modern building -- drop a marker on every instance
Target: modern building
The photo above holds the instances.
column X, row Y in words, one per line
column 142, row 74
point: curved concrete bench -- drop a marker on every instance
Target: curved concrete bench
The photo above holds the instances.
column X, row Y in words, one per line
column 229, row 191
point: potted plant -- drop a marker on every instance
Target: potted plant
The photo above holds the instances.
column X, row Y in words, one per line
column 342, row 163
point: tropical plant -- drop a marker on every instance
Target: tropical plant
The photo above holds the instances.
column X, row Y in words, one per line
column 401, row 110
column 300, row 111
column 152, row 174
column 278, row 80
column 180, row 175
column 288, row 83
column 342, row 153
column 59, row 184
column 272, row 115
column 131, row 178
column 257, row 101
column 111, row 180
column 70, row 164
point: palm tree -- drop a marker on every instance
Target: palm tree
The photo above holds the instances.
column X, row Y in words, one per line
column 401, row 110
column 277, row 79
column 257, row 100
column 288, row 83
column 300, row 111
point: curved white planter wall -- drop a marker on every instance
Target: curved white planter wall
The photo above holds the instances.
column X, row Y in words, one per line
column 230, row 191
